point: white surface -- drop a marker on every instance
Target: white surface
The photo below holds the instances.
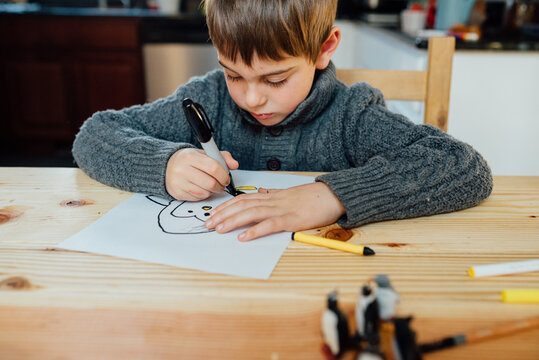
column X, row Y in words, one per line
column 170, row 234
column 494, row 102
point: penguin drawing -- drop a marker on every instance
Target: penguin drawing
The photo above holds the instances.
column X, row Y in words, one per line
column 185, row 217
column 181, row 217
column 335, row 327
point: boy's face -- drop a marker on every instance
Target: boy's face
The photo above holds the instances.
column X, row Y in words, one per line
column 270, row 90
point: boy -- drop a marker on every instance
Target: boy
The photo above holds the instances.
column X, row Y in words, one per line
column 277, row 105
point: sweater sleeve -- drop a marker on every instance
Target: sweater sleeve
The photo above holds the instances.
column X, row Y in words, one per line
column 402, row 170
column 129, row 149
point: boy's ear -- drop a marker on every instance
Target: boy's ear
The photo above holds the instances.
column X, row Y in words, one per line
column 328, row 48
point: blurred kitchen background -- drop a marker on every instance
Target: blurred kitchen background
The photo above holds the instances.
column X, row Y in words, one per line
column 63, row 60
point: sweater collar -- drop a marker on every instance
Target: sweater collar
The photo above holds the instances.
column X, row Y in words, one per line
column 321, row 94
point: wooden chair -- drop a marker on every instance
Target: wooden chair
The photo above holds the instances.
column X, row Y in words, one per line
column 431, row 86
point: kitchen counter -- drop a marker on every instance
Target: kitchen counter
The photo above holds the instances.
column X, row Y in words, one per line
column 490, row 41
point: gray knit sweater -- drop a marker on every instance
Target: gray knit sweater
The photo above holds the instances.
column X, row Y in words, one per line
column 380, row 165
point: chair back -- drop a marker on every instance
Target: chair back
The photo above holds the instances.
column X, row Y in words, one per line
column 431, row 86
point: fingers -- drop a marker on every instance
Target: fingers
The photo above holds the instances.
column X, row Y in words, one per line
column 266, row 227
column 257, row 208
column 230, row 161
column 269, row 191
column 270, row 211
column 210, row 167
column 264, row 218
column 191, row 192
column 192, row 175
column 193, row 185
column 201, row 179
column 262, row 194
column 239, row 214
column 236, row 199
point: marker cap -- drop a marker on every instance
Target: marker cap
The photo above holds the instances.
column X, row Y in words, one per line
column 198, row 119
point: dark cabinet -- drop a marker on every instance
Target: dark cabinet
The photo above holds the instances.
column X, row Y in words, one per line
column 56, row 71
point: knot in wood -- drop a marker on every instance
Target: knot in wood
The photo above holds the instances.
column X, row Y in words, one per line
column 339, row 234
column 9, row 213
column 75, row 203
column 16, row 283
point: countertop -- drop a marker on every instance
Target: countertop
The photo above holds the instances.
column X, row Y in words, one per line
column 491, row 40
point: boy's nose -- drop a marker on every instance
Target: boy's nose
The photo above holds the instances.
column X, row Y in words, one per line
column 254, row 97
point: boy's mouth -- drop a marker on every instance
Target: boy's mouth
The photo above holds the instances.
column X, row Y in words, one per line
column 262, row 117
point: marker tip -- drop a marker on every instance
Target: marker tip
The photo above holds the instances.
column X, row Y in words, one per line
column 368, row 251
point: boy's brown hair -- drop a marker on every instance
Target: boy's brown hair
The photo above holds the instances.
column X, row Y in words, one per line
column 272, row 29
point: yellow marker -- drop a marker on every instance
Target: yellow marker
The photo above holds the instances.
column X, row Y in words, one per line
column 521, row 296
column 246, row 188
column 332, row 244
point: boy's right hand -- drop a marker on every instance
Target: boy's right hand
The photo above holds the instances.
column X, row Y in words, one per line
column 191, row 175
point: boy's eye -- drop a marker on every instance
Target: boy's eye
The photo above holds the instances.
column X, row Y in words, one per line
column 268, row 82
column 233, row 78
column 276, row 83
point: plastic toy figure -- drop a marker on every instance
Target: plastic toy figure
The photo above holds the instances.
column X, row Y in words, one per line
column 387, row 297
column 380, row 333
column 367, row 313
column 335, row 327
column 368, row 322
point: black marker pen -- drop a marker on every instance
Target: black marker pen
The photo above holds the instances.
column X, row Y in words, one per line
column 202, row 128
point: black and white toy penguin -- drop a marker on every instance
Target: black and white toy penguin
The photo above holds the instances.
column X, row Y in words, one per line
column 335, row 327
column 367, row 313
column 387, row 297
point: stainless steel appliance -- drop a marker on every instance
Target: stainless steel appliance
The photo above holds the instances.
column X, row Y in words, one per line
column 175, row 49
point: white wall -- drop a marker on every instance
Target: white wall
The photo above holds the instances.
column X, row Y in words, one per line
column 495, row 107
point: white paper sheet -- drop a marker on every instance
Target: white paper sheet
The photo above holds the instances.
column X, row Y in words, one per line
column 172, row 233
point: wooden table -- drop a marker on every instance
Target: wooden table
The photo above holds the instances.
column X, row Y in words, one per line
column 71, row 305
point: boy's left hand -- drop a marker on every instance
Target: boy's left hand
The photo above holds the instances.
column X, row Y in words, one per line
column 271, row 210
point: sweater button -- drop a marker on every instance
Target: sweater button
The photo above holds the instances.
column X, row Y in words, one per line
column 276, row 130
column 273, row 164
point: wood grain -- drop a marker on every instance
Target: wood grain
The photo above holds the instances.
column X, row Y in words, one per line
column 395, row 84
column 441, row 50
column 64, row 304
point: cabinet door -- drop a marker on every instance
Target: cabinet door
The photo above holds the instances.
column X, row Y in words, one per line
column 108, row 81
column 37, row 99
